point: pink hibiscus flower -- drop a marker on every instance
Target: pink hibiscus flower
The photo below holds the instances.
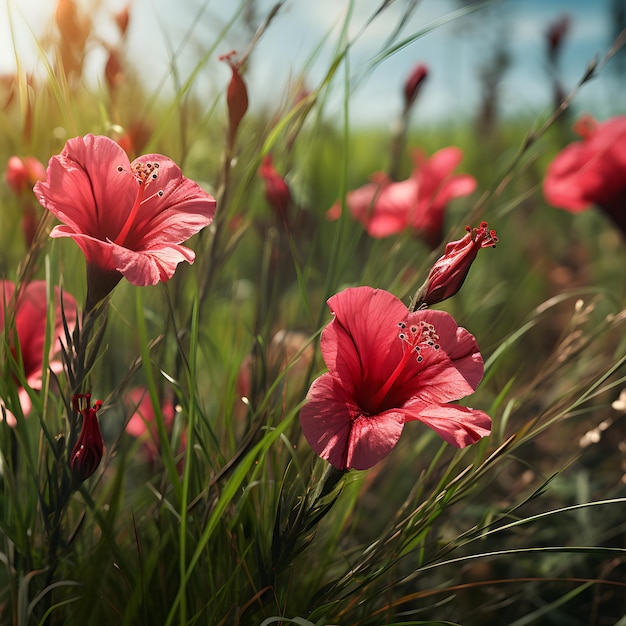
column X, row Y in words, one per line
column 591, row 171
column 387, row 208
column 31, row 318
column 388, row 366
column 129, row 219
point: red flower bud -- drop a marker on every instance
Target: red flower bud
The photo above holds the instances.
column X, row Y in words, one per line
column 413, row 84
column 22, row 174
column 87, row 452
column 276, row 189
column 236, row 97
column 449, row 272
column 555, row 35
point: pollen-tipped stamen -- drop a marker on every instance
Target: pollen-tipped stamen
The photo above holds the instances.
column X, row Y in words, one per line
column 413, row 338
column 144, row 173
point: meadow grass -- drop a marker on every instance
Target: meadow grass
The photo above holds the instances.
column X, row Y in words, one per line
column 236, row 520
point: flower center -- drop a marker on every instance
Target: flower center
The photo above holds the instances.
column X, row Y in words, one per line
column 414, row 338
column 144, row 173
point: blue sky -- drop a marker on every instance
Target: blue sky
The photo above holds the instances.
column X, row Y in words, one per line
column 454, row 52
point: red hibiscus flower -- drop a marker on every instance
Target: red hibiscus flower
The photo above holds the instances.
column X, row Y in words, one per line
column 129, row 219
column 388, row 366
column 28, row 342
column 591, row 171
column 386, row 208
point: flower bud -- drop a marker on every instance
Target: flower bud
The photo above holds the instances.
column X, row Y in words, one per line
column 276, row 189
column 555, row 36
column 236, row 97
column 22, row 174
column 89, row 448
column 449, row 272
column 413, row 84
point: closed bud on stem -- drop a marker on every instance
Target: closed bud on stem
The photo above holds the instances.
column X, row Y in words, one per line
column 449, row 272
column 555, row 35
column 413, row 84
column 236, row 97
column 89, row 448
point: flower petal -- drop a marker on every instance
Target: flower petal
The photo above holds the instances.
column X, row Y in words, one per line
column 440, row 165
column 334, row 213
column 148, row 267
column 590, row 171
column 337, row 430
column 455, row 187
column 95, row 250
column 395, row 208
column 437, row 186
column 460, row 426
column 361, row 342
column 31, row 320
column 449, row 373
column 381, row 206
column 558, row 187
column 361, row 201
column 176, row 207
column 85, row 189
column 31, row 326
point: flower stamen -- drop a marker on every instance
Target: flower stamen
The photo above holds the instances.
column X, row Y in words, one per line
column 144, row 173
column 414, row 338
column 486, row 237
